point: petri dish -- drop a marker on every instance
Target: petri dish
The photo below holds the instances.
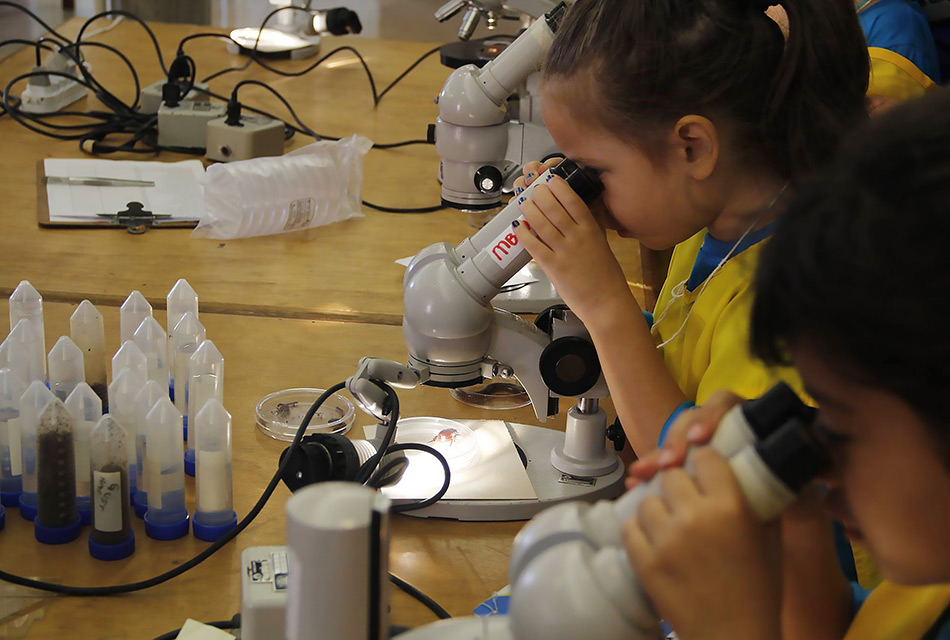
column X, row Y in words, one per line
column 494, row 395
column 452, row 439
column 279, row 414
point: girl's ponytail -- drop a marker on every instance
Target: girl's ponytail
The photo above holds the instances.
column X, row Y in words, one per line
column 821, row 82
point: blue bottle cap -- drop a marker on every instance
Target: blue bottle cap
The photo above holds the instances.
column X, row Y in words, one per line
column 212, row 532
column 85, row 515
column 190, row 462
column 27, row 511
column 170, row 531
column 57, row 535
column 140, row 503
column 10, row 498
column 112, row 551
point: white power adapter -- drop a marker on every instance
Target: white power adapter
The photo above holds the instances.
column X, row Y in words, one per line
column 50, row 93
column 185, row 126
column 263, row 593
column 252, row 137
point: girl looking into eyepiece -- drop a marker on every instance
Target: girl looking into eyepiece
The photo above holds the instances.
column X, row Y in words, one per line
column 698, row 116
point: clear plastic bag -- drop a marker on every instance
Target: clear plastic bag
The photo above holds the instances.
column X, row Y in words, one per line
column 309, row 187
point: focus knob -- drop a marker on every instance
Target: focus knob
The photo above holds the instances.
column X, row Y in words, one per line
column 488, row 179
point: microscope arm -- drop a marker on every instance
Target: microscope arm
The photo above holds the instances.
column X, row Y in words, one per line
column 450, row 328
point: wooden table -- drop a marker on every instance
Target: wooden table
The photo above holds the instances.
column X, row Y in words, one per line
column 341, row 271
column 457, row 563
column 286, row 311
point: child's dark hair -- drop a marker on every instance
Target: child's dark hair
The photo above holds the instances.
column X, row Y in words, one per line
column 649, row 62
column 858, row 266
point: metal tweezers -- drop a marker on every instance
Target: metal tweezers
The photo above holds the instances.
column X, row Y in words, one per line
column 93, row 181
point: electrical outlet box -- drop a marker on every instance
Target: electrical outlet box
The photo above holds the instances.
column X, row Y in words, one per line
column 151, row 97
column 255, row 137
column 186, row 126
column 263, row 593
column 48, row 94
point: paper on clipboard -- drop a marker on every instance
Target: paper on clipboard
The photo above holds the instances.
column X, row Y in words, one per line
column 177, row 192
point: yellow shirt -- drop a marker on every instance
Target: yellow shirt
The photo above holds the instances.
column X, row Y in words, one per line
column 894, row 76
column 895, row 612
column 712, row 350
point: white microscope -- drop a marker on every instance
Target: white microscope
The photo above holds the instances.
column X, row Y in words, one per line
column 481, row 143
column 456, row 338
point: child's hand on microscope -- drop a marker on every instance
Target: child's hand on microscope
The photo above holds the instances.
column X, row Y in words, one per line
column 570, row 245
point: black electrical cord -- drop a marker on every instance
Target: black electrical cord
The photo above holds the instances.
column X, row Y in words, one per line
column 397, row 210
column 428, row 502
column 233, row 623
column 304, row 128
column 131, row 16
column 430, row 604
column 201, row 557
column 406, row 72
column 88, row 76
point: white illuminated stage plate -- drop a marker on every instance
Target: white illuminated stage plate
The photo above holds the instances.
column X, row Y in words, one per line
column 496, row 485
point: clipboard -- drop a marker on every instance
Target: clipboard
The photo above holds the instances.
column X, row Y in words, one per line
column 130, row 213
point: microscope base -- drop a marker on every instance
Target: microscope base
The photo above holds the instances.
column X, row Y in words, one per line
column 550, row 486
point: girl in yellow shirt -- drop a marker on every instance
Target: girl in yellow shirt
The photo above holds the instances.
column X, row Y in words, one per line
column 852, row 291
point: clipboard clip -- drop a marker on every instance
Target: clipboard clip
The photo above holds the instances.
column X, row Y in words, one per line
column 135, row 218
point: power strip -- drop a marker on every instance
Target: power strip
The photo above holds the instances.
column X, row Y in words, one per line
column 51, row 93
column 151, row 96
column 263, row 593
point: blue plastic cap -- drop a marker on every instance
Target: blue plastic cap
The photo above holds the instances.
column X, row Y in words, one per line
column 170, row 531
column 112, row 551
column 85, row 515
column 10, row 498
column 57, row 535
column 212, row 532
column 140, row 503
column 27, row 511
column 190, row 462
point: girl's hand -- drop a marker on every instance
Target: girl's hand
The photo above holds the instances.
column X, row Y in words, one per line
column 691, row 428
column 569, row 244
column 710, row 567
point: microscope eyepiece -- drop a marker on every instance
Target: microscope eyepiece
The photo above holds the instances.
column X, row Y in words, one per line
column 584, row 183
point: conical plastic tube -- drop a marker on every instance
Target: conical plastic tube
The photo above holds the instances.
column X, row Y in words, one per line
column 27, row 304
column 15, row 357
column 11, row 460
column 167, row 516
column 122, row 392
column 55, row 468
column 85, row 407
column 129, row 356
column 135, row 309
column 111, row 522
column 32, row 403
column 30, row 343
column 151, row 339
column 88, row 332
column 147, row 398
column 205, row 381
column 66, row 367
column 213, row 488
column 180, row 300
column 187, row 335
